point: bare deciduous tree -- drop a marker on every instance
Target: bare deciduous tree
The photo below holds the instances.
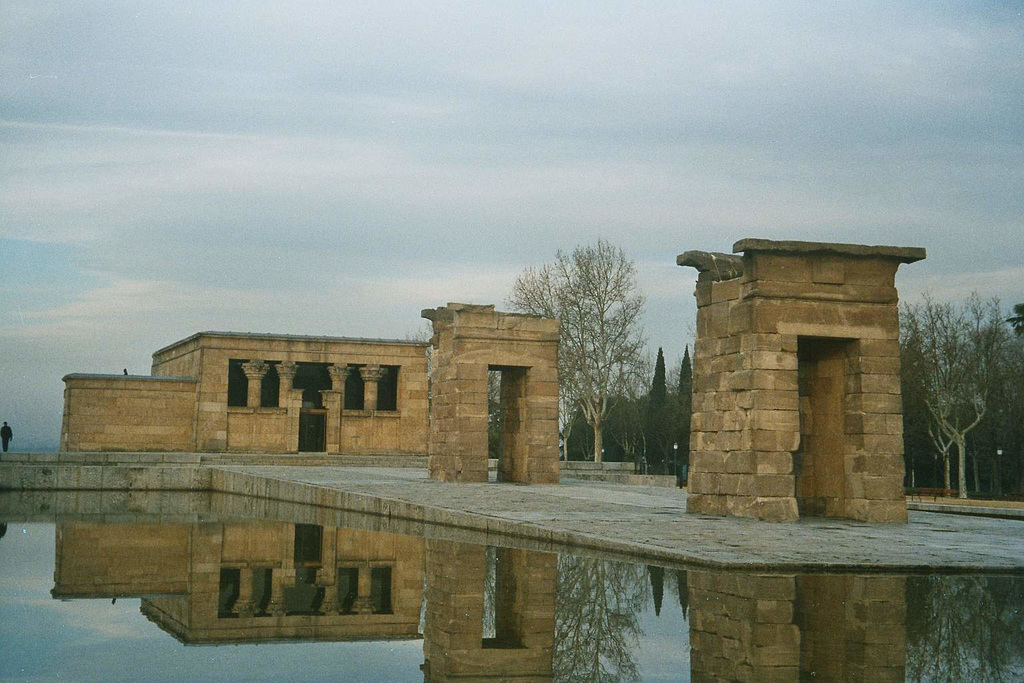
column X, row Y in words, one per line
column 593, row 292
column 960, row 350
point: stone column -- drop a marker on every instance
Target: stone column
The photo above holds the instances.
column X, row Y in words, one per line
column 334, row 402
column 254, row 371
column 338, row 373
column 244, row 605
column 277, row 581
column 371, row 375
column 328, row 557
column 286, row 373
column 363, row 604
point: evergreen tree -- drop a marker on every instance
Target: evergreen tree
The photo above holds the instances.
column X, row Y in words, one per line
column 657, row 575
column 658, row 390
column 684, row 597
column 1017, row 321
column 685, row 408
column 660, row 423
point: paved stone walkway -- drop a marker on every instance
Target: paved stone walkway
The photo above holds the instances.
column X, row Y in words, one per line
column 651, row 523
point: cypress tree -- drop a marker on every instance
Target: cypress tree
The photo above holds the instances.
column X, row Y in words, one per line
column 658, row 428
column 657, row 575
column 684, row 598
column 685, row 407
column 658, row 389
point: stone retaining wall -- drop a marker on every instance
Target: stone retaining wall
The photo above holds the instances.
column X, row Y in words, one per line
column 127, row 413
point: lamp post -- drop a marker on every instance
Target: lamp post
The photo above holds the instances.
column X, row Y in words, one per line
column 675, row 463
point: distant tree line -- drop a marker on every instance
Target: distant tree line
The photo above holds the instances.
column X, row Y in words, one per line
column 962, row 366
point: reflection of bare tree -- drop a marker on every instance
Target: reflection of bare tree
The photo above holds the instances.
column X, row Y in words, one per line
column 597, row 624
column 490, row 590
column 965, row 628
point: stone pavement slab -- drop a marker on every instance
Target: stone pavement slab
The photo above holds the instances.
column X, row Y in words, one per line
column 648, row 522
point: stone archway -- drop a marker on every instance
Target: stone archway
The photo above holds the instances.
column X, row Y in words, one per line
column 469, row 340
column 796, row 404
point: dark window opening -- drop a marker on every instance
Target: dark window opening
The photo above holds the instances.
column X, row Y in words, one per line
column 270, row 388
column 307, row 544
column 305, row 597
column 238, row 383
column 354, row 388
column 387, row 388
column 312, row 378
column 380, row 590
column 230, row 580
column 262, row 587
column 348, row 588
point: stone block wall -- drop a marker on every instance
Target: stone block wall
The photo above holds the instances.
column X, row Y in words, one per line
column 275, row 429
column 853, row 627
column 101, row 560
column 454, row 647
column 127, row 413
column 470, row 340
column 792, row 628
column 796, row 406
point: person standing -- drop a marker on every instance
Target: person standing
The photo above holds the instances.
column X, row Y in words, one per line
column 6, row 435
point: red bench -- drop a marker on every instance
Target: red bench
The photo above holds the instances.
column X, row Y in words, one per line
column 934, row 493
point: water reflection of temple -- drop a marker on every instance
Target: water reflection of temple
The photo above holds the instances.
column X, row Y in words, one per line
column 490, row 613
column 250, row 582
column 790, row 628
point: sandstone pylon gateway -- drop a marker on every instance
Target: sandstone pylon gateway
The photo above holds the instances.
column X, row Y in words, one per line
column 796, row 405
column 470, row 340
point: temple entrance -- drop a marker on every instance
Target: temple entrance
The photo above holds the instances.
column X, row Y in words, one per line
column 312, row 430
column 820, row 475
column 312, row 379
column 507, row 421
column 472, row 342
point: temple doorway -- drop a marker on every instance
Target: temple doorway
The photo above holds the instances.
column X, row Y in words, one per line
column 820, row 474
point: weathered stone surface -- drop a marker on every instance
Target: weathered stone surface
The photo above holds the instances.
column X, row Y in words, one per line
column 796, row 370
column 469, row 340
column 717, row 265
column 900, row 254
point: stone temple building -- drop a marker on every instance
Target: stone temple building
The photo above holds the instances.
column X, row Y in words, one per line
column 257, row 393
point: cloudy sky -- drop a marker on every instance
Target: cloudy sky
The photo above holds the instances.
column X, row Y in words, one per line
column 334, row 167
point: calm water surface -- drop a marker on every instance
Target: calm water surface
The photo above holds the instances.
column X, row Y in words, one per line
column 122, row 598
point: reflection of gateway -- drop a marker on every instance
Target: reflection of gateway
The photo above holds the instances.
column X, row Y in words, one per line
column 787, row 627
column 507, row 633
column 250, row 582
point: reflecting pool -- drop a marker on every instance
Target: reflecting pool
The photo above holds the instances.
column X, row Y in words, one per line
column 226, row 589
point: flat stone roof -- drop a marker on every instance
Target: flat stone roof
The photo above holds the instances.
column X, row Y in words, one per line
column 151, row 378
column 290, row 337
column 901, row 254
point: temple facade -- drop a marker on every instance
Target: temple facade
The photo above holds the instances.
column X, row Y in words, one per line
column 257, row 393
